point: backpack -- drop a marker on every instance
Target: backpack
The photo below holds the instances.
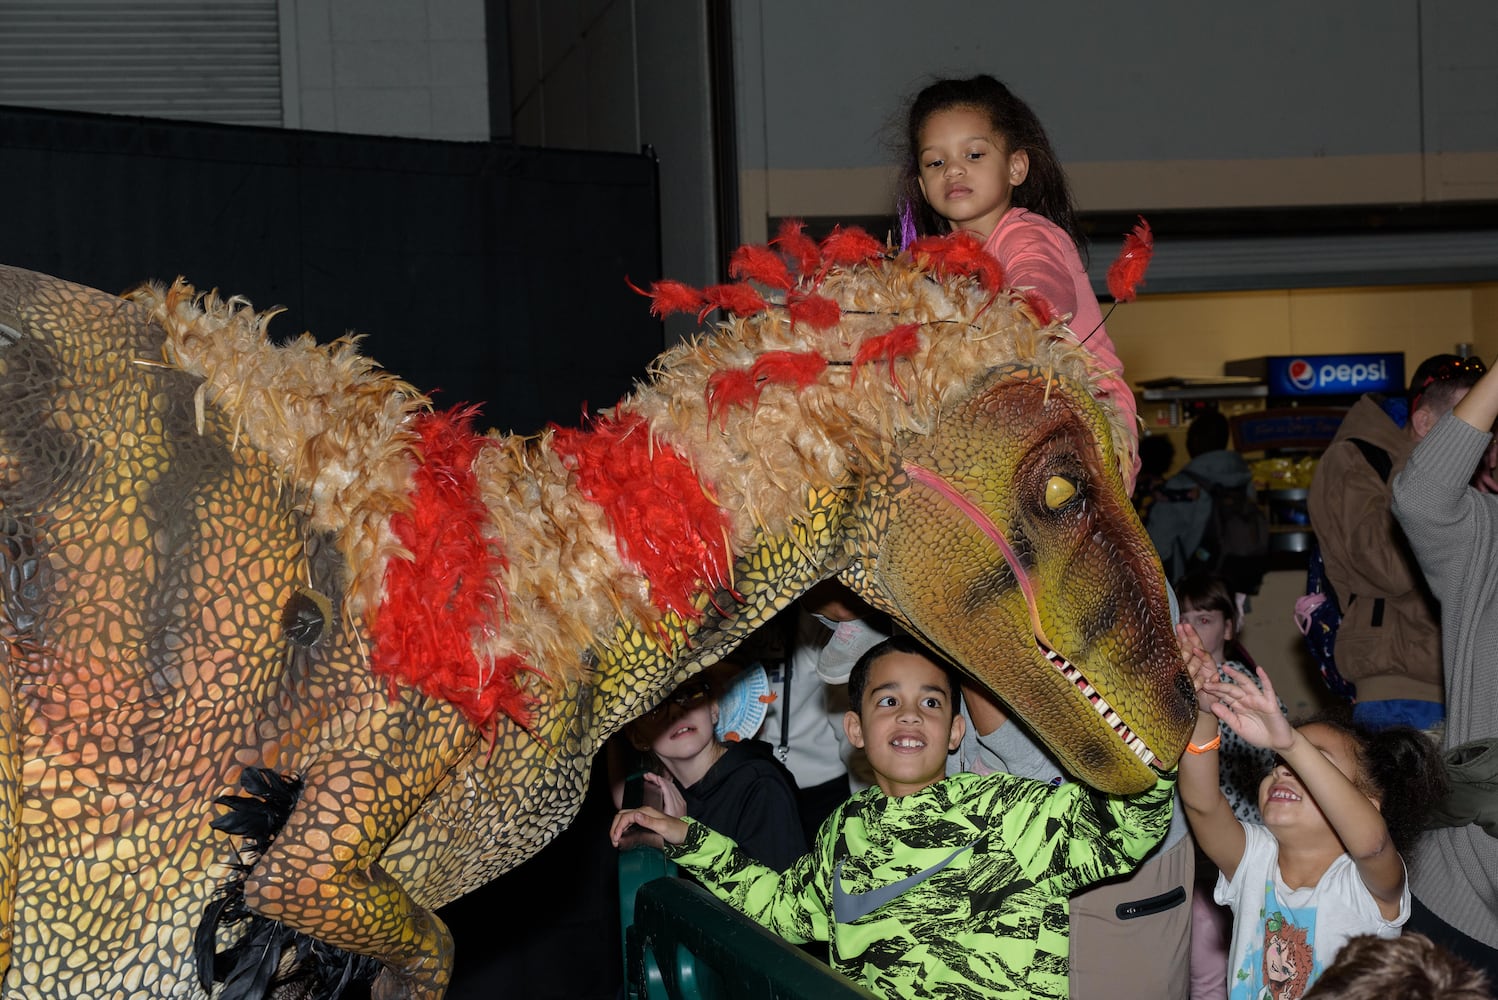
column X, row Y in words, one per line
column 1235, row 545
column 1318, row 614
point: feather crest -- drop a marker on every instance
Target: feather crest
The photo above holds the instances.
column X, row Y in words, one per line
column 761, row 264
column 448, row 591
column 730, row 388
column 802, row 249
column 663, row 519
column 667, row 297
column 790, row 368
column 1126, row 273
column 901, row 342
column 815, row 311
column 848, row 247
column 738, row 299
column 1039, row 307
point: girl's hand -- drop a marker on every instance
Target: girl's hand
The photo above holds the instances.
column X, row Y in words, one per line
column 672, row 802
column 1199, row 663
column 670, row 829
column 1252, row 710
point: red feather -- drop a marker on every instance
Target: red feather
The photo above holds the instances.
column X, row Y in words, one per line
column 815, row 311
column 959, row 253
column 760, row 264
column 735, row 387
column 740, row 299
column 1126, row 273
column 850, row 246
column 448, row 592
column 664, row 524
column 900, row 342
column 790, row 368
column 668, row 297
column 801, row 248
column 1040, row 307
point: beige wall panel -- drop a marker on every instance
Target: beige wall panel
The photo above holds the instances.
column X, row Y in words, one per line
column 1485, row 321
column 1462, row 177
column 1419, row 321
column 1192, row 335
column 1185, row 184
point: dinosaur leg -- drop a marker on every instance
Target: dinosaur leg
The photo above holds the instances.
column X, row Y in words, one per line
column 321, row 876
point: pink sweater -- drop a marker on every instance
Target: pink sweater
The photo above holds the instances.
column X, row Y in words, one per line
column 1036, row 253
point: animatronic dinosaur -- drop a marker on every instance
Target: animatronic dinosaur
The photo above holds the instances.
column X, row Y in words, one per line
column 219, row 555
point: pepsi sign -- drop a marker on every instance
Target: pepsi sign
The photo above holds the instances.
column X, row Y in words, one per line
column 1332, row 374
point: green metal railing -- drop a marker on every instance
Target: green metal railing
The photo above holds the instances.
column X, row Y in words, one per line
column 683, row 944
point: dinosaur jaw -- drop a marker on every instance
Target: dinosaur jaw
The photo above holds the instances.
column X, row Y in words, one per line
column 1078, row 680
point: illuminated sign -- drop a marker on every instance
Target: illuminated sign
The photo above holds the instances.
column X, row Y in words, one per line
column 1326, row 374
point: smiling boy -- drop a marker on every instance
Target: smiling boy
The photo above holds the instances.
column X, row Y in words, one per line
column 927, row 885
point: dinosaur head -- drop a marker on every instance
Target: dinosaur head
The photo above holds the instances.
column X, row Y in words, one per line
column 1005, row 538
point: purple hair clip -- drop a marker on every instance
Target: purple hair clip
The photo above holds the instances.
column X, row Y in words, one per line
column 907, row 224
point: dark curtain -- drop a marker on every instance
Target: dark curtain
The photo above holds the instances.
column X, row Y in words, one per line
column 478, row 271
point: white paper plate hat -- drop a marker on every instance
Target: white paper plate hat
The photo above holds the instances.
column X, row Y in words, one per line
column 743, row 704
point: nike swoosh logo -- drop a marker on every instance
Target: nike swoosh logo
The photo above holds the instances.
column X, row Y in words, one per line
column 850, row 906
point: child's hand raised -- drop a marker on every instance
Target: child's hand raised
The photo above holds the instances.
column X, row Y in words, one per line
column 1199, row 662
column 672, row 803
column 1252, row 710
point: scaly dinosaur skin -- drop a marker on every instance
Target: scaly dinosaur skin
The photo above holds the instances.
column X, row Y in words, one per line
column 176, row 495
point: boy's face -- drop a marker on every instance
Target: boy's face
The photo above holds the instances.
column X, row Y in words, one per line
column 905, row 724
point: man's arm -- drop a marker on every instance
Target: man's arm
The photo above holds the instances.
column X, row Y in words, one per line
column 1479, row 407
column 1003, row 745
column 1432, row 498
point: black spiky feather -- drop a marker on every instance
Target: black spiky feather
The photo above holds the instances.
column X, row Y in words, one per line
column 266, row 955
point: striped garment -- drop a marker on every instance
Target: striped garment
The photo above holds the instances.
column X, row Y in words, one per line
column 959, row 890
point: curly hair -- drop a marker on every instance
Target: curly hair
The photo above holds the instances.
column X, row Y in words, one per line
column 1045, row 190
column 1402, row 768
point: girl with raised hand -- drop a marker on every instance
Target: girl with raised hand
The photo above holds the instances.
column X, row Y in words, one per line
column 1325, row 864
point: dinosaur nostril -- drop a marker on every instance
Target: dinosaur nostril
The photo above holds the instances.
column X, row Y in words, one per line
column 1185, row 688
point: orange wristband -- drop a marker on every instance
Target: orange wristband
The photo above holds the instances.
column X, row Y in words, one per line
column 1211, row 744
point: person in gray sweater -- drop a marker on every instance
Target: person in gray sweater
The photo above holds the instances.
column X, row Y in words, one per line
column 1452, row 527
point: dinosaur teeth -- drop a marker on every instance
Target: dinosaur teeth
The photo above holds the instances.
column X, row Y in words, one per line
column 1076, row 678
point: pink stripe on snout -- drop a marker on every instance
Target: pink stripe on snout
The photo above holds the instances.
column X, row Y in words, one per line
column 975, row 514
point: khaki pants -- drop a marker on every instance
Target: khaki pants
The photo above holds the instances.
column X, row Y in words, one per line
column 1131, row 938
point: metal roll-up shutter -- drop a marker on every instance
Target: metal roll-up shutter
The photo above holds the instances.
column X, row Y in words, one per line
column 204, row 60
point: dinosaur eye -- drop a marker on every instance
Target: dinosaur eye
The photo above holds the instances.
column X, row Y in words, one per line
column 305, row 616
column 1059, row 490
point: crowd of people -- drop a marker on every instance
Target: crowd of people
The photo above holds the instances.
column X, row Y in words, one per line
column 898, row 815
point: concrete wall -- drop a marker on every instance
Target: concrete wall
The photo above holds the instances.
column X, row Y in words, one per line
column 1175, row 104
column 620, row 75
column 412, row 68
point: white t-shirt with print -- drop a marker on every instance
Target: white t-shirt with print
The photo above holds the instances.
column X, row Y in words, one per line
column 1302, row 927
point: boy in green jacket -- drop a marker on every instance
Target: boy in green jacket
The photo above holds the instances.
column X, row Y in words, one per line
column 927, row 885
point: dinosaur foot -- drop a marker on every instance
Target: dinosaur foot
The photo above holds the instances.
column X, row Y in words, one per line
column 267, row 958
column 425, row 978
